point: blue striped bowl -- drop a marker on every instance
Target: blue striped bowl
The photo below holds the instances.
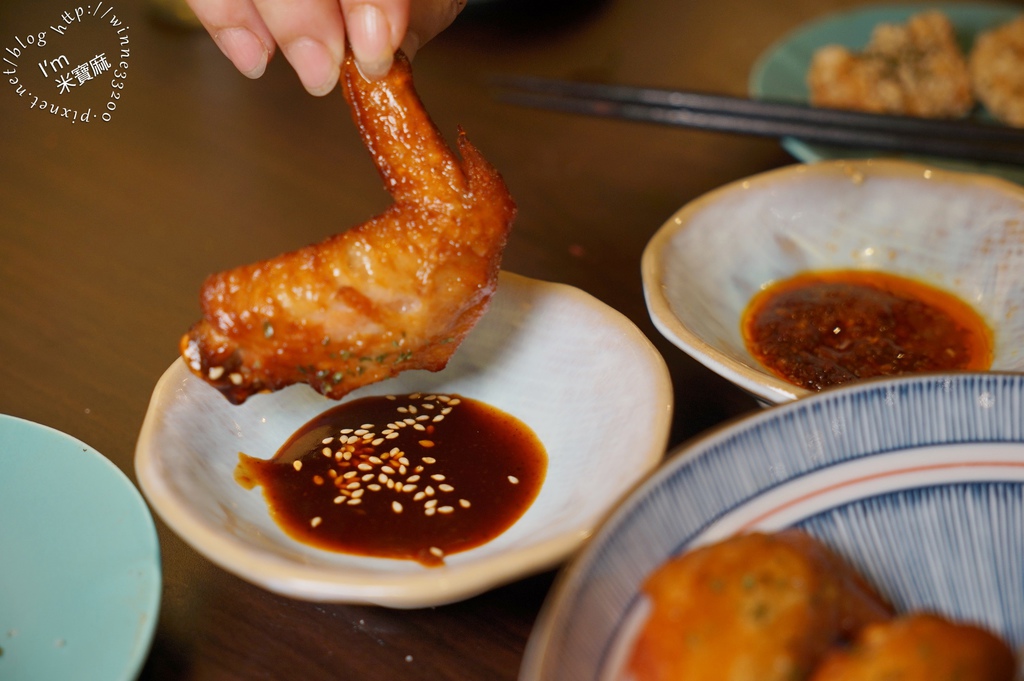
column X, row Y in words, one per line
column 918, row 482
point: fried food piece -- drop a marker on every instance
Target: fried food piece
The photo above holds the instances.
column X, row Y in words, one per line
column 997, row 70
column 920, row 647
column 398, row 292
column 755, row 607
column 915, row 69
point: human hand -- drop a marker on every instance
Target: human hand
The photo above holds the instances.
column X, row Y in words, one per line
column 312, row 33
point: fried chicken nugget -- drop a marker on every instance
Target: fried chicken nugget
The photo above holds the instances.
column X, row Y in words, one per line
column 755, row 607
column 920, row 647
column 997, row 69
column 916, row 69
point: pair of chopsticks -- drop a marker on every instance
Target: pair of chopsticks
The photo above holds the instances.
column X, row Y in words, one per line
column 954, row 139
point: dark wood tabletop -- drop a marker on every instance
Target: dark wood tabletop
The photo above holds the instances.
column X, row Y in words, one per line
column 107, row 229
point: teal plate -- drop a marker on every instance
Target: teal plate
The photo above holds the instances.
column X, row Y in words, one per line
column 780, row 73
column 79, row 561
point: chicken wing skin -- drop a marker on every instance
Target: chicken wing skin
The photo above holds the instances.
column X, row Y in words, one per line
column 755, row 607
column 920, row 647
column 398, row 292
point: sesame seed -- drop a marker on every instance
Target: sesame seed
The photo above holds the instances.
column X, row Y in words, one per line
column 333, row 473
column 390, row 484
column 398, row 487
column 360, row 431
column 395, row 450
column 388, row 469
column 445, row 509
column 375, row 459
column 339, row 499
column 429, row 511
column 443, row 398
column 345, row 431
column 396, row 507
column 365, row 467
column 464, row 503
column 513, row 479
column 392, row 436
column 401, row 470
column 436, row 551
column 413, row 478
column 423, row 417
column 327, row 441
column 215, row 373
column 446, row 411
column 350, row 474
column 318, row 480
column 429, row 490
column 315, row 521
column 437, row 476
column 235, row 378
column 373, row 487
column 438, row 418
column 367, row 426
column 382, row 478
column 418, row 496
column 367, row 477
column 418, row 427
column 431, row 503
column 326, row 451
column 427, row 406
column 403, row 410
column 404, row 461
column 354, row 502
column 390, row 397
column 409, row 422
column 445, row 487
column 358, row 493
column 454, row 401
column 377, row 441
column 297, row 465
column 406, row 488
column 353, row 485
column 428, row 459
column 412, row 409
column 426, row 443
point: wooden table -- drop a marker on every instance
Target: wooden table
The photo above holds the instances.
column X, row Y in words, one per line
column 108, row 228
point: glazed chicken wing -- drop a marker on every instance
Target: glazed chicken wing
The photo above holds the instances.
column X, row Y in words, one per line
column 395, row 293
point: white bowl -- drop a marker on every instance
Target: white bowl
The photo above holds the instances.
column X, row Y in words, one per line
column 918, row 482
column 582, row 376
column 961, row 232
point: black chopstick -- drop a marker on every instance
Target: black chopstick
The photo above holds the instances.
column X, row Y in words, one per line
column 960, row 139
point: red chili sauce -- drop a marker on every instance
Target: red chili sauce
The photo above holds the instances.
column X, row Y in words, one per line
column 821, row 329
column 414, row 477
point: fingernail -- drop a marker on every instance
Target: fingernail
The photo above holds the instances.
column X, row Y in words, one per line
column 244, row 49
column 317, row 69
column 369, row 33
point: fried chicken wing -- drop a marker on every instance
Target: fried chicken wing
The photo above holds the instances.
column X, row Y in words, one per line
column 916, row 69
column 398, row 292
column 997, row 69
column 920, row 647
column 756, row 607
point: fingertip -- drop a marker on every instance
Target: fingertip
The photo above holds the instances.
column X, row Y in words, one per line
column 246, row 51
column 369, row 35
column 316, row 66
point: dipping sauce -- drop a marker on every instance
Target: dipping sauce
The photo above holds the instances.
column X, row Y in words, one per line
column 414, row 477
column 820, row 329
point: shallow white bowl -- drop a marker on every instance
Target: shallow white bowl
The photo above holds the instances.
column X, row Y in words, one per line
column 582, row 376
column 961, row 232
column 917, row 481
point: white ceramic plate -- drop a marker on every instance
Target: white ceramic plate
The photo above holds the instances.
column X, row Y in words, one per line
column 79, row 561
column 918, row 482
column 584, row 378
column 780, row 73
column 960, row 232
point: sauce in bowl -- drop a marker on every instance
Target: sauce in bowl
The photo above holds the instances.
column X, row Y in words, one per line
column 820, row 329
column 414, row 477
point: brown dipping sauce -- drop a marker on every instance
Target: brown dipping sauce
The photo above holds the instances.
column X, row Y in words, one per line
column 412, row 477
column 821, row 329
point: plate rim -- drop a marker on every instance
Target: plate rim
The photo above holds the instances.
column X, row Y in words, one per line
column 436, row 586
